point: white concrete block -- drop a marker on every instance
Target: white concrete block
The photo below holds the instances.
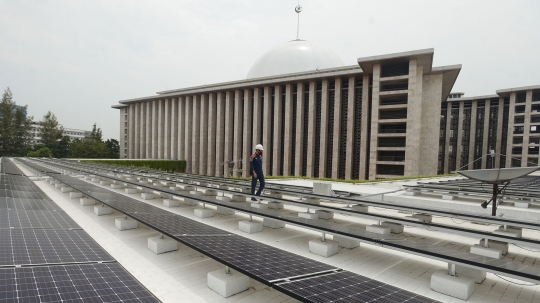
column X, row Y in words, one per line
column 395, row 228
column 460, row 287
column 360, row 208
column 75, row 195
column 102, row 210
column 325, row 249
column 346, row 242
column 425, row 218
column 143, row 182
column 175, row 188
column 224, row 211
column 188, row 187
column 478, row 275
column 123, row 224
column 246, row 190
column 259, row 205
column 324, row 214
column 314, row 201
column 495, row 253
column 381, row 230
column 271, row 223
column 522, row 205
column 411, row 218
column 203, row 183
column 507, row 233
column 209, row 192
column 275, row 205
column 148, row 196
column 250, row 227
column 307, row 215
column 87, row 201
column 157, row 184
column 66, row 189
column 275, row 195
column 238, row 198
column 223, row 199
column 324, row 189
column 203, row 212
column 104, row 182
column 448, row 197
column 171, row 203
column 117, row 186
column 225, row 284
column 503, row 246
column 159, row 246
column 222, row 186
column 95, row 180
column 130, row 190
column 516, row 230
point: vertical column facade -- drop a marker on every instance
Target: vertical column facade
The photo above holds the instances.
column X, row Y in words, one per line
column 196, row 134
column 148, row 130
column 181, row 128
column 212, row 120
column 257, row 117
column 247, row 133
column 459, row 148
column 351, row 117
column 220, row 135
column 510, row 136
column 155, row 126
column 229, row 126
column 237, row 132
column 414, row 120
column 336, row 137
column 310, row 169
column 375, row 121
column 288, row 131
column 447, row 139
column 123, row 131
column 472, row 137
column 167, row 130
column 203, row 135
column 131, row 132
column 188, row 129
column 267, row 130
column 142, row 132
column 526, row 129
column 137, row 131
column 174, row 129
column 161, row 129
column 276, row 150
column 323, row 150
column 498, row 148
column 487, row 115
column 364, row 137
column 299, row 150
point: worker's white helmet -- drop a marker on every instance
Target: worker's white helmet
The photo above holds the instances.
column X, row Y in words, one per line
column 259, row 146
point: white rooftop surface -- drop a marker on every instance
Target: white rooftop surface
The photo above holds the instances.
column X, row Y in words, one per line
column 180, row 276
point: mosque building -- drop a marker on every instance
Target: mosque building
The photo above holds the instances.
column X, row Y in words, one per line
column 389, row 115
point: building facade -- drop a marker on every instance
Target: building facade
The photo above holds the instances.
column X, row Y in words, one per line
column 367, row 121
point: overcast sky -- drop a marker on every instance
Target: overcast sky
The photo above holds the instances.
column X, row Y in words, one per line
column 77, row 58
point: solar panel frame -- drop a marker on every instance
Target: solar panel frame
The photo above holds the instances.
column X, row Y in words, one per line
column 20, row 218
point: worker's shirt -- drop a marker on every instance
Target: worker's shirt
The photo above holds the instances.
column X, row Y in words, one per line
column 256, row 164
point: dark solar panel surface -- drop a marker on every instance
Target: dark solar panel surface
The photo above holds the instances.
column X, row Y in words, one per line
column 20, row 218
column 345, row 286
column 107, row 282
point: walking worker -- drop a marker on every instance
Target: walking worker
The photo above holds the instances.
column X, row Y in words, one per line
column 255, row 164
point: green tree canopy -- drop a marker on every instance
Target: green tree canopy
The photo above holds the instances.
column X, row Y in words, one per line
column 96, row 133
column 114, row 148
column 50, row 131
column 42, row 152
column 89, row 149
column 15, row 127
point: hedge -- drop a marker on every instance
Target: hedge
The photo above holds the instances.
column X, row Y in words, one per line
column 178, row 166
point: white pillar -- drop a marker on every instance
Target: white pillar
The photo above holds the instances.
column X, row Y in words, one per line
column 167, row 130
column 174, row 129
column 148, row 130
column 203, row 135
column 188, row 133
column 155, row 125
column 212, row 131
column 248, row 131
column 310, row 169
column 220, row 134
column 196, row 134
column 229, row 125
column 323, row 146
column 267, row 130
column 238, row 126
column 300, row 117
column 278, row 131
column 181, row 128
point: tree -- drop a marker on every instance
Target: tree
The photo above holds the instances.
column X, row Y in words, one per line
column 22, row 132
column 114, row 148
column 15, row 127
column 96, row 133
column 42, row 152
column 89, row 149
column 62, row 148
column 50, row 131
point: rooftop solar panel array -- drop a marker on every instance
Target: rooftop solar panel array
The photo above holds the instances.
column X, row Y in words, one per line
column 263, row 262
column 46, row 257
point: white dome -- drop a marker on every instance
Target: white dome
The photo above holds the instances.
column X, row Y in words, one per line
column 294, row 57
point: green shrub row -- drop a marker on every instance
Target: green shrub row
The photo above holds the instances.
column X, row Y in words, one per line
column 178, row 166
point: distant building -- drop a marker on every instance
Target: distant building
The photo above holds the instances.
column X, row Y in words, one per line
column 72, row 133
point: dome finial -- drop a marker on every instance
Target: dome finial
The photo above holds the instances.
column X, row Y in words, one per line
column 298, row 9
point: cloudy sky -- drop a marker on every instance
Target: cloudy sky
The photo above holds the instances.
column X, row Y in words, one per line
column 77, row 58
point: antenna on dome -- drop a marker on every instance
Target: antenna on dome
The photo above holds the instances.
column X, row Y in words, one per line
column 298, row 9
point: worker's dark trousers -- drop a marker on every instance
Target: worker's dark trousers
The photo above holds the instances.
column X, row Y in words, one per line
column 260, row 177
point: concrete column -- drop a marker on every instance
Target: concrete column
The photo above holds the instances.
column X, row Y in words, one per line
column 188, row 130
column 510, row 136
column 278, row 131
column 498, row 148
column 247, row 133
column 257, row 117
column 364, row 137
column 267, row 130
column 526, row 129
column 299, row 152
column 212, row 120
column 155, row 126
column 237, row 132
column 174, row 129
column 460, row 135
column 414, row 120
column 336, row 160
column 181, row 128
column 229, row 130
column 123, row 131
column 220, row 135
column 142, row 131
column 351, row 117
column 203, row 135
column 310, row 169
column 485, row 151
column 196, row 134
column 472, row 137
column 131, row 131
column 167, row 130
column 375, row 121
column 148, row 130
column 447, row 139
column 323, row 150
column 137, row 130
column 288, row 131
column 161, row 129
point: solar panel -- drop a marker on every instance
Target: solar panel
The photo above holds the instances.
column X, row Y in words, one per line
column 174, row 225
column 20, row 218
column 48, row 246
column 345, row 286
column 107, row 282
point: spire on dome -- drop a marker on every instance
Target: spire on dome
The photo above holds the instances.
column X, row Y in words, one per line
column 298, row 9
